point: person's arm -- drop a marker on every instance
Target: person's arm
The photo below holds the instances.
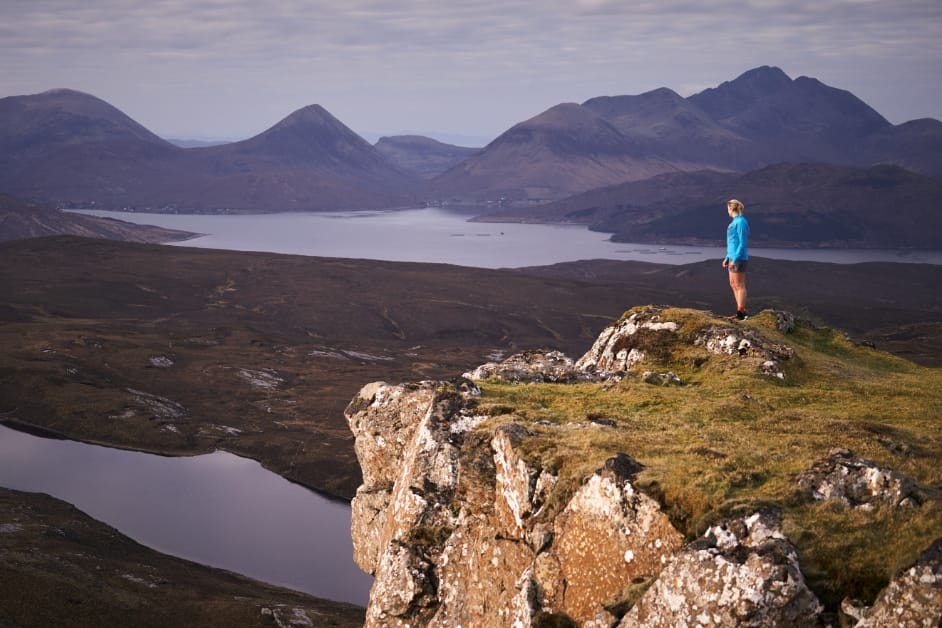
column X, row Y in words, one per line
column 741, row 231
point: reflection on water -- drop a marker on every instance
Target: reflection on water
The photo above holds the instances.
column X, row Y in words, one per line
column 216, row 509
column 437, row 235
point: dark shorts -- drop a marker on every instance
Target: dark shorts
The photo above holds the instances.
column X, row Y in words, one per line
column 740, row 267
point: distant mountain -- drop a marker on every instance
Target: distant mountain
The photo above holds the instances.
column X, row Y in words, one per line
column 792, row 120
column 66, row 145
column 674, row 129
column 21, row 219
column 60, row 118
column 564, row 150
column 787, row 205
column 914, row 145
column 761, row 118
column 307, row 161
column 421, row 156
column 72, row 149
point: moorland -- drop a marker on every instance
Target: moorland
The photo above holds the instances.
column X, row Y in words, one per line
column 110, row 338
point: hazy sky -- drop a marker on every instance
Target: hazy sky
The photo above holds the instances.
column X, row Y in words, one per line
column 232, row 68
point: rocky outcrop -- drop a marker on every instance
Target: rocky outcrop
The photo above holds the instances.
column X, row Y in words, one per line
column 913, row 598
column 743, row 572
column 645, row 337
column 449, row 522
column 462, row 525
column 858, row 483
column 531, row 366
column 629, row 342
column 747, row 344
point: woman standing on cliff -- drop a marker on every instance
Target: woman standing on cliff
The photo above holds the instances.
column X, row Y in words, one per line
column 737, row 255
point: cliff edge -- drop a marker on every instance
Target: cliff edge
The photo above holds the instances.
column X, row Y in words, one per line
column 686, row 470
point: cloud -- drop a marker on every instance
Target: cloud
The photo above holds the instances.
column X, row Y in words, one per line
column 243, row 64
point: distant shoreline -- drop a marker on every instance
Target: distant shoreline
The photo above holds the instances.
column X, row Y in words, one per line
column 373, row 235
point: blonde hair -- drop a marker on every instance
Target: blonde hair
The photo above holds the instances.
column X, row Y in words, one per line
column 735, row 206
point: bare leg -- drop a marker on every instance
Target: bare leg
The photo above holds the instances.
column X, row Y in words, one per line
column 737, row 281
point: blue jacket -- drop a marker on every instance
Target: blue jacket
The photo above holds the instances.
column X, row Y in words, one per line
column 737, row 239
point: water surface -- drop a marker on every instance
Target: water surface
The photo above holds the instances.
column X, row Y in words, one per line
column 438, row 235
column 216, row 509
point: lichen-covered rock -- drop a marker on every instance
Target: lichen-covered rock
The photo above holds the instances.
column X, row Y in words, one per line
column 608, row 535
column 531, row 367
column 784, row 321
column 913, row 599
column 626, row 343
column 748, row 344
column 743, row 572
column 448, row 520
column 521, row 489
column 460, row 526
column 857, row 482
column 669, row 378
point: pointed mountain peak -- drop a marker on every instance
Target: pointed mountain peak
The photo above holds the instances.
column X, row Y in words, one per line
column 311, row 112
column 732, row 96
column 763, row 77
column 314, row 116
column 310, row 123
column 764, row 103
column 313, row 137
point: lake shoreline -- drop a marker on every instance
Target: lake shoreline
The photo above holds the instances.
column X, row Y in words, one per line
column 430, row 235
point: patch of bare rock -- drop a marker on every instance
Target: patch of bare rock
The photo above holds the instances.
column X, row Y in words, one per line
column 639, row 340
column 448, row 518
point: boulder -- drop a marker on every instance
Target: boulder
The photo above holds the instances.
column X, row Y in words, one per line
column 858, row 483
column 627, row 343
column 913, row 599
column 748, row 345
column 531, row 367
column 743, row 572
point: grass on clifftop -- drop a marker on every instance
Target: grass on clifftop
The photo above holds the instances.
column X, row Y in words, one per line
column 730, row 438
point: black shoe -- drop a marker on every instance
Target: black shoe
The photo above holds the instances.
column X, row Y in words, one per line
column 738, row 316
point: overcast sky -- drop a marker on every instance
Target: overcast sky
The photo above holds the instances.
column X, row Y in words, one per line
column 232, row 68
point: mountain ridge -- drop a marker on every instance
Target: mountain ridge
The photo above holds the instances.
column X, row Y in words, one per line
column 71, row 149
column 83, row 152
column 787, row 204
